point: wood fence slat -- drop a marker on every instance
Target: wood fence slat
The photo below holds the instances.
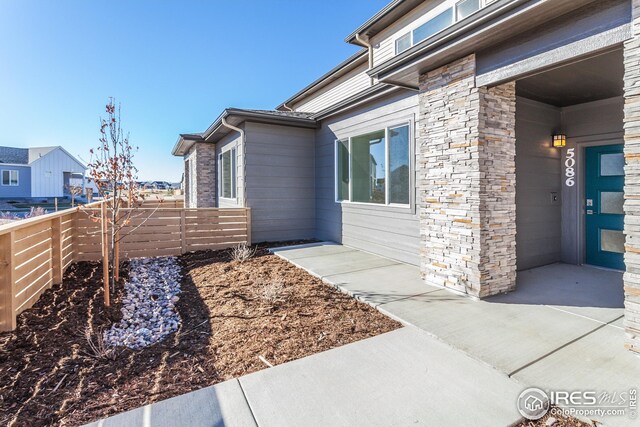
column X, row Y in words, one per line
column 35, row 254
column 7, row 282
column 56, row 250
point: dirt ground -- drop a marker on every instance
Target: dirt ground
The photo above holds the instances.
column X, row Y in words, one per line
column 231, row 312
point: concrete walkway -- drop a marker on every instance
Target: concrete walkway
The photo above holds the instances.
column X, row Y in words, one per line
column 458, row 362
column 561, row 329
column 404, row 377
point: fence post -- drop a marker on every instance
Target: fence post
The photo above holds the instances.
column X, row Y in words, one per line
column 248, row 210
column 7, row 282
column 56, row 249
column 183, row 232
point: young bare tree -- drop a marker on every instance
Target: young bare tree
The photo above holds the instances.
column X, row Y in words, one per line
column 114, row 173
column 74, row 191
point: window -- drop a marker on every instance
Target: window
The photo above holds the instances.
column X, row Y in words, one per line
column 403, row 43
column 433, row 26
column 342, row 175
column 10, row 177
column 465, row 8
column 374, row 167
column 227, row 175
column 458, row 11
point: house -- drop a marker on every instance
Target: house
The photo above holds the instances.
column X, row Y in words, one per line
column 38, row 172
column 473, row 138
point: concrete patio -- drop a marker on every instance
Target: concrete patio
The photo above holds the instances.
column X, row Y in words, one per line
column 454, row 349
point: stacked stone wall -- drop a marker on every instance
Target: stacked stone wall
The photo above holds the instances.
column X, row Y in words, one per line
column 466, row 181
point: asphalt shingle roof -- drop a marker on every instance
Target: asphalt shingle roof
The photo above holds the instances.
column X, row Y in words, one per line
column 19, row 156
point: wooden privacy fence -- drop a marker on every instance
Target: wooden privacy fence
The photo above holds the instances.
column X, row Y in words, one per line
column 34, row 253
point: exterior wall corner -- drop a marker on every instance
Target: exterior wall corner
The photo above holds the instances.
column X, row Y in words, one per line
column 466, row 181
column 200, row 176
column 632, row 183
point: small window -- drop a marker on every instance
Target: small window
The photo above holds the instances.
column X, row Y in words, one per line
column 342, row 172
column 403, row 43
column 465, row 8
column 433, row 26
column 228, row 171
column 10, row 177
column 374, row 167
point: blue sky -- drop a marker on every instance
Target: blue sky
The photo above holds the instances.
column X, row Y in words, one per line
column 173, row 65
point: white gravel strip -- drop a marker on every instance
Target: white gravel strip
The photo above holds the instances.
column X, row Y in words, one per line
column 148, row 308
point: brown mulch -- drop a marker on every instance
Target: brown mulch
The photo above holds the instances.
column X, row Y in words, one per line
column 560, row 421
column 231, row 313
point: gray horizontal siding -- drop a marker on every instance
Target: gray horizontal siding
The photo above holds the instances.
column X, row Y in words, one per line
column 280, row 182
column 23, row 189
column 388, row 231
column 538, row 220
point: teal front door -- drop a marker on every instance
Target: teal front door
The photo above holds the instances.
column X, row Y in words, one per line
column 604, row 219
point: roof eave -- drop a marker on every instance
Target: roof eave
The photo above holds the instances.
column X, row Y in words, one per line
column 185, row 141
column 390, row 13
column 484, row 29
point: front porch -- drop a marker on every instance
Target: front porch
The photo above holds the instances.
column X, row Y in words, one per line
column 560, row 329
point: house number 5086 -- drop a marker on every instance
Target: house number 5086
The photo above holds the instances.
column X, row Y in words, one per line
column 569, row 165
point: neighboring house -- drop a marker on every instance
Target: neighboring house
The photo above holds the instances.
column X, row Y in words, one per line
column 38, row 172
column 473, row 138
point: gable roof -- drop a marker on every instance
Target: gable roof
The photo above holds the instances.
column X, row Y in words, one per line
column 16, row 156
column 26, row 156
column 40, row 152
column 235, row 116
column 36, row 152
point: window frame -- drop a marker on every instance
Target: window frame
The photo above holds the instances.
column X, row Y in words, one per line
column 408, row 33
column 386, row 204
column 9, row 184
column 234, row 173
column 451, row 5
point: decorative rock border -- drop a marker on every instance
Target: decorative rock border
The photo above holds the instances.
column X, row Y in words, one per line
column 148, row 308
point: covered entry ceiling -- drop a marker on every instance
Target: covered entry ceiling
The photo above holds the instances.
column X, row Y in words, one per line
column 598, row 77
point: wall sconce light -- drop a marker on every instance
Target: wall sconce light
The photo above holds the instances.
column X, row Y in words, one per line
column 559, row 140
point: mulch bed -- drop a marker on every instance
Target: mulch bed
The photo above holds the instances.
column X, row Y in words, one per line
column 557, row 421
column 231, row 312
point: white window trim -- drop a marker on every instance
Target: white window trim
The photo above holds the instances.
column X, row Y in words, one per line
column 234, row 173
column 17, row 184
column 432, row 14
column 386, row 204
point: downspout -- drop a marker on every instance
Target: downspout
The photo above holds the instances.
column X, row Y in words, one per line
column 368, row 46
column 244, row 159
column 287, row 107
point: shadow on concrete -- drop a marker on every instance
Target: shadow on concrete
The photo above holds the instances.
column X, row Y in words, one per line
column 566, row 285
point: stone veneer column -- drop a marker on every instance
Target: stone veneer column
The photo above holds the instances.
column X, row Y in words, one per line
column 466, row 183
column 632, row 183
column 202, row 174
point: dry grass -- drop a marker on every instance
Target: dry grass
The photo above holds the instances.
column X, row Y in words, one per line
column 242, row 252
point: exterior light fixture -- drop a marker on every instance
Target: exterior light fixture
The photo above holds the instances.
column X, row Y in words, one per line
column 559, row 140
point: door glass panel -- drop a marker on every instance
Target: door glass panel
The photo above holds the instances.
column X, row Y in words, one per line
column 612, row 241
column 612, row 164
column 612, row 202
